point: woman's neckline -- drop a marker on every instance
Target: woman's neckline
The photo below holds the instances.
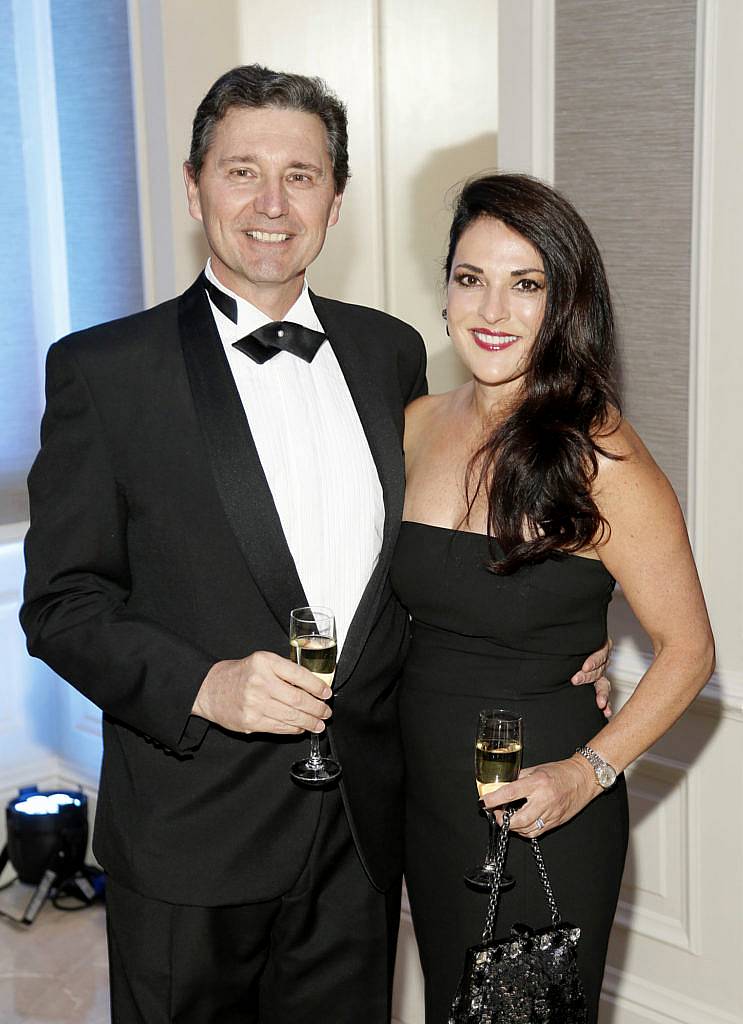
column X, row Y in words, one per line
column 484, row 536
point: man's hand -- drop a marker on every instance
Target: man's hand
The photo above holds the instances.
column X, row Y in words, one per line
column 592, row 671
column 263, row 693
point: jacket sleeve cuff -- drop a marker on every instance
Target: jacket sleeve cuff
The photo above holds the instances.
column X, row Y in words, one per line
column 193, row 734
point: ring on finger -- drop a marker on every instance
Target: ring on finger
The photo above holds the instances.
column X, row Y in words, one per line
column 539, row 824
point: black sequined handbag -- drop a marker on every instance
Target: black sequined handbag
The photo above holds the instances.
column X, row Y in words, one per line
column 531, row 977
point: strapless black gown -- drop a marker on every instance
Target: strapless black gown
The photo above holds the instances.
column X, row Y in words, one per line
column 479, row 641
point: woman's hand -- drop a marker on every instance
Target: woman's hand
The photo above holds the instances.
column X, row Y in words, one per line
column 554, row 792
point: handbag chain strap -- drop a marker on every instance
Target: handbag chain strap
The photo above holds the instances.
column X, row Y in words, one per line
column 500, row 859
column 545, row 882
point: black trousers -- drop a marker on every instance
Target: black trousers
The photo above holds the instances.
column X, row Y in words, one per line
column 324, row 951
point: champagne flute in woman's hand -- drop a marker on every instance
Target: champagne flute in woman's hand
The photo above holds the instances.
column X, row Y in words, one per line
column 498, row 749
column 312, row 645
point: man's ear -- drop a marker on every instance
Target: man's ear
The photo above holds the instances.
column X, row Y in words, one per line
column 192, row 191
column 335, row 209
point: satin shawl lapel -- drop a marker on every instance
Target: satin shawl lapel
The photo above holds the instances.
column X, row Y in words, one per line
column 237, row 469
column 354, row 346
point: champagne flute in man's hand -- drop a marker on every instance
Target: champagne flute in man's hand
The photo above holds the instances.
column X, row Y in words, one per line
column 312, row 644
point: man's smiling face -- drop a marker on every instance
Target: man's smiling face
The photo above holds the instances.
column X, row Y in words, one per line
column 266, row 197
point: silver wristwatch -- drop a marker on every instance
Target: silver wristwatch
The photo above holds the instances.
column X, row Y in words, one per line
column 606, row 776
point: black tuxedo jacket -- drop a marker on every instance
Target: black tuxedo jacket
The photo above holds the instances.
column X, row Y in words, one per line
column 155, row 550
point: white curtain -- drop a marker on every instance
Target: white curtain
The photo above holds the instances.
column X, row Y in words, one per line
column 70, row 251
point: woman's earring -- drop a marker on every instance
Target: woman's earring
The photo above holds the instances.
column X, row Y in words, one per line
column 445, row 315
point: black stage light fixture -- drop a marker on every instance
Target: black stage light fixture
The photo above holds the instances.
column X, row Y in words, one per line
column 47, row 840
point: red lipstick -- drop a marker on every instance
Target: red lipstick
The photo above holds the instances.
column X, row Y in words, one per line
column 500, row 339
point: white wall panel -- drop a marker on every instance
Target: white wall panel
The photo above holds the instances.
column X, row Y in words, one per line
column 49, row 734
column 662, row 866
column 439, row 87
column 179, row 47
column 719, row 438
column 526, row 70
column 421, row 118
column 337, row 40
column 630, row 999
column 12, row 646
column 679, row 924
column 30, row 692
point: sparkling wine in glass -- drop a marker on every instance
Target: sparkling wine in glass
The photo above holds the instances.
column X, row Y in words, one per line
column 498, row 748
column 312, row 644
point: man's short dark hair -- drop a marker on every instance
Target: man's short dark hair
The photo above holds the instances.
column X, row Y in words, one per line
column 255, row 86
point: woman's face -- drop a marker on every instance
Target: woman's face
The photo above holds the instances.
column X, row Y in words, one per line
column 495, row 301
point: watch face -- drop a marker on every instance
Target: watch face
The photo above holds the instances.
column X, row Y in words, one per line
column 606, row 775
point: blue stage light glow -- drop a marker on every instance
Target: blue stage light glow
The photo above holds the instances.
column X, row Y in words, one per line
column 45, row 803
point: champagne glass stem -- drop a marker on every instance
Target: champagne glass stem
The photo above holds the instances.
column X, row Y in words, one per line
column 492, row 837
column 315, row 758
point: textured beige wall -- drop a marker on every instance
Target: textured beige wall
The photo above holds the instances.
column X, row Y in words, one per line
column 624, row 142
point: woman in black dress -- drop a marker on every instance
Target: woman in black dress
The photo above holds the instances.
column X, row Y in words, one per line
column 528, row 495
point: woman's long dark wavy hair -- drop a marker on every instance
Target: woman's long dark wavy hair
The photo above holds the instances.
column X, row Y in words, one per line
column 537, row 466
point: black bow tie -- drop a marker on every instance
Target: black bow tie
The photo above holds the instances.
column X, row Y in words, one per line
column 269, row 340
column 281, row 336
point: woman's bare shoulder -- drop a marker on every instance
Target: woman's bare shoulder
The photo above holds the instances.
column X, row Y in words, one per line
column 422, row 415
column 620, row 447
column 630, row 484
column 424, row 406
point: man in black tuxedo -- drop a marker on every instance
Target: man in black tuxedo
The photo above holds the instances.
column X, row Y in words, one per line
column 164, row 556
column 195, row 483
